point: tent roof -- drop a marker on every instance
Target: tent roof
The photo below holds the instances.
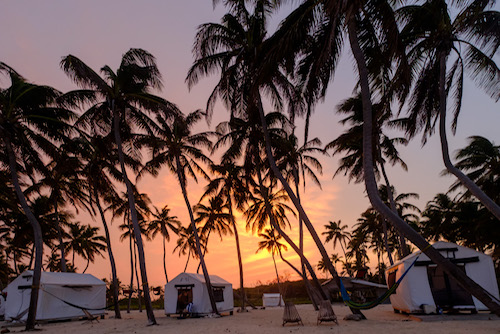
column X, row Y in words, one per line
column 214, row 279
column 437, row 245
column 57, row 278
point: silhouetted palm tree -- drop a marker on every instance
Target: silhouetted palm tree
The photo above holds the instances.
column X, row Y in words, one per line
column 29, row 123
column 336, row 232
column 161, row 224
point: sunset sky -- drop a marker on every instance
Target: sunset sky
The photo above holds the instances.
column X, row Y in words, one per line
column 34, row 35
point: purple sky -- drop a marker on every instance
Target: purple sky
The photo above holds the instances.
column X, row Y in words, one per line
column 34, row 35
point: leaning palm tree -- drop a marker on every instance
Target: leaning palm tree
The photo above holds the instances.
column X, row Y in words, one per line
column 175, row 146
column 119, row 102
column 469, row 41
column 161, row 224
column 359, row 18
column 29, row 124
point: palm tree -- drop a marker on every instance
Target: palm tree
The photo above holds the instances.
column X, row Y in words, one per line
column 29, row 123
column 360, row 18
column 227, row 184
column 336, row 232
column 481, row 160
column 176, row 146
column 469, row 41
column 85, row 241
column 120, row 100
column 186, row 244
column 272, row 245
column 99, row 171
column 213, row 218
column 161, row 224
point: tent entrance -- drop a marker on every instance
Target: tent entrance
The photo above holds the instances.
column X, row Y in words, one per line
column 184, row 297
column 445, row 291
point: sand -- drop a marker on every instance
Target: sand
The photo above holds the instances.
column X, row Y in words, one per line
column 269, row 321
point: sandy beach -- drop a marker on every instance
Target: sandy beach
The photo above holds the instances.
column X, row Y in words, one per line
column 269, row 321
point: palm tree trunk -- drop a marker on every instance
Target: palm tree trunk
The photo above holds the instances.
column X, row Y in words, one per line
column 60, row 236
column 37, row 234
column 204, row 251
column 187, row 261
column 277, row 279
column 135, row 222
column 197, row 238
column 131, row 287
column 371, row 188
column 466, row 182
column 165, row 259
column 296, row 203
column 238, row 252
column 87, row 266
column 139, row 301
column 301, row 245
column 111, row 257
column 404, row 251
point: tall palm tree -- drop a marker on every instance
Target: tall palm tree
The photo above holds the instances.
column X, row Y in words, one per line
column 358, row 18
column 99, row 170
column 227, row 184
column 335, row 232
column 119, row 102
column 29, row 124
column 272, row 244
column 161, row 224
column 469, row 41
column 212, row 217
column 176, row 146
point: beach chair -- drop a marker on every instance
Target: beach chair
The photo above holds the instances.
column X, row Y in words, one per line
column 290, row 314
column 325, row 313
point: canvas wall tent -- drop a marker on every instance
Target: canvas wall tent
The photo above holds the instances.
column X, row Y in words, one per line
column 426, row 288
column 191, row 288
column 272, row 300
column 57, row 291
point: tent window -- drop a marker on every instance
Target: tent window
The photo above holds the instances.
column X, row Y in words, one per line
column 391, row 279
column 218, row 294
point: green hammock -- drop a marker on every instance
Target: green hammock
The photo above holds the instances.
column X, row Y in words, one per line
column 372, row 304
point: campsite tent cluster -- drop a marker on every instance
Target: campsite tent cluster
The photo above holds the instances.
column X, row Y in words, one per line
column 425, row 289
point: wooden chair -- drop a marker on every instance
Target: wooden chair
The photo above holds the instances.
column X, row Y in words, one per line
column 90, row 317
column 326, row 313
column 290, row 314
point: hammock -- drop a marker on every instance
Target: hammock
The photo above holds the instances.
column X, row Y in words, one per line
column 376, row 302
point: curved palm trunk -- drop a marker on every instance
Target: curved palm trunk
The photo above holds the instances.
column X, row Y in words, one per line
column 60, row 237
column 238, row 252
column 135, row 222
column 87, row 266
column 471, row 186
column 111, row 257
column 131, row 286
column 139, row 291
column 371, row 188
column 164, row 252
column 404, row 251
column 297, row 204
column 197, row 238
column 37, row 234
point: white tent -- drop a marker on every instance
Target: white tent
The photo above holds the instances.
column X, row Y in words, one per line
column 61, row 296
column 426, row 288
column 191, row 288
column 272, row 300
